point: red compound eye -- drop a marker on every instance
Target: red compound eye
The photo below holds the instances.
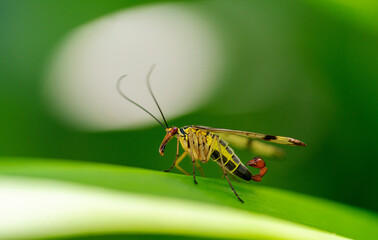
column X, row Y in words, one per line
column 174, row 130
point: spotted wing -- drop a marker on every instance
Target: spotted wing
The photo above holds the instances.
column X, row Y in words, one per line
column 255, row 146
column 260, row 136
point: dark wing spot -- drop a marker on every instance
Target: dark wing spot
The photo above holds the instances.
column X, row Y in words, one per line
column 269, row 137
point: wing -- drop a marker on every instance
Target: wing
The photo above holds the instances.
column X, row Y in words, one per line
column 265, row 137
column 253, row 145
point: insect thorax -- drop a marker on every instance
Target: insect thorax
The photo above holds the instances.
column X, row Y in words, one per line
column 201, row 138
column 202, row 141
column 205, row 143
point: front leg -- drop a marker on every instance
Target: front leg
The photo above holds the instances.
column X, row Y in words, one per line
column 177, row 154
column 178, row 159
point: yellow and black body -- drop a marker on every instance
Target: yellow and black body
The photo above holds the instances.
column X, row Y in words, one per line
column 205, row 143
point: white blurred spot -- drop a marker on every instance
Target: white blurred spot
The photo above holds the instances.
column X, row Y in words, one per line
column 81, row 81
column 42, row 208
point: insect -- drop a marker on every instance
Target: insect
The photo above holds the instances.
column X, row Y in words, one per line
column 203, row 143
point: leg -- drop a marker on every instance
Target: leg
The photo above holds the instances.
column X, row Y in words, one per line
column 179, row 160
column 191, row 142
column 234, row 178
column 177, row 154
column 200, row 168
column 225, row 173
column 202, row 148
column 259, row 164
column 229, row 174
column 210, row 150
column 194, row 171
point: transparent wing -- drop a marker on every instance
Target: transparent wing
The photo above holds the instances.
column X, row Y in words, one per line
column 265, row 137
column 253, row 145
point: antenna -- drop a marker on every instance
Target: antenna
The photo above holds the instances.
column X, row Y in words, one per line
column 152, row 94
column 128, row 99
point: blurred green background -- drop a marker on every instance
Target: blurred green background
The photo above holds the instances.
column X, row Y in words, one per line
column 304, row 69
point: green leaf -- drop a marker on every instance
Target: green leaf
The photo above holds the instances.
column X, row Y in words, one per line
column 55, row 198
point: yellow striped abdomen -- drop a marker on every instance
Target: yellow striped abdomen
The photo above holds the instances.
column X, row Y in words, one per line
column 202, row 141
column 231, row 161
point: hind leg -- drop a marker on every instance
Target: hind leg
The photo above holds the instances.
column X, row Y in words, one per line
column 259, row 164
column 225, row 172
